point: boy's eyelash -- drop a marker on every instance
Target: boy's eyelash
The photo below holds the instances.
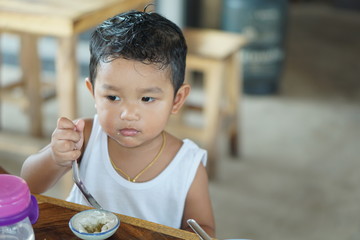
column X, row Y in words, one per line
column 112, row 98
column 147, row 99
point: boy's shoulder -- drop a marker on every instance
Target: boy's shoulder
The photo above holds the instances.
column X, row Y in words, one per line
column 186, row 145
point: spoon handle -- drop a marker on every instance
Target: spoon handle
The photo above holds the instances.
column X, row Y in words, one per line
column 198, row 230
column 81, row 186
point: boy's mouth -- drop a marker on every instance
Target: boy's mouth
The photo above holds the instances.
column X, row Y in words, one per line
column 128, row 132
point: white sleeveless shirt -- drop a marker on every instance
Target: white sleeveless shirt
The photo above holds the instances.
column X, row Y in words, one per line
column 159, row 200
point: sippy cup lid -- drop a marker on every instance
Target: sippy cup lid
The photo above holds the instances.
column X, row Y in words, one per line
column 16, row 202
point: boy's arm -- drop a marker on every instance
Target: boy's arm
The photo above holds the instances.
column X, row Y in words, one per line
column 41, row 172
column 198, row 204
column 43, row 169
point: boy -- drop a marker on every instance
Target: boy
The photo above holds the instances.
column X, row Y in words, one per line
column 127, row 161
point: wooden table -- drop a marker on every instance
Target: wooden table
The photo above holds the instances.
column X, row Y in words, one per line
column 55, row 215
column 63, row 20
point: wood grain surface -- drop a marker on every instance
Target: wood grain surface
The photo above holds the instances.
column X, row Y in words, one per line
column 60, row 18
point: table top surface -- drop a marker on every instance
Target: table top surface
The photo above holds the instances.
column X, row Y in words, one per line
column 60, row 18
column 55, row 215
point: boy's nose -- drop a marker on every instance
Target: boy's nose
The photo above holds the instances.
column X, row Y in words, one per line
column 129, row 114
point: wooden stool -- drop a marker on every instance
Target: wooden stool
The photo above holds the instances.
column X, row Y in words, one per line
column 213, row 54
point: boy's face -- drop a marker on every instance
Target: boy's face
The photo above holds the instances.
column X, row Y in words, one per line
column 134, row 100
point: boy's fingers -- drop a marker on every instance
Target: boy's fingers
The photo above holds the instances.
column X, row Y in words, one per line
column 72, row 155
column 64, row 146
column 65, row 123
column 66, row 134
column 68, row 139
column 80, row 125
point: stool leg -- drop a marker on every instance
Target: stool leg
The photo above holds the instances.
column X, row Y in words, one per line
column 233, row 89
column 213, row 76
column 30, row 64
column 212, row 162
column 234, row 144
column 66, row 77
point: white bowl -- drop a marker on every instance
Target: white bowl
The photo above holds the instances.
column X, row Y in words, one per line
column 94, row 224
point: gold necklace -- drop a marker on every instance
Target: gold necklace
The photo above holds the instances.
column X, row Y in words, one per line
column 147, row 167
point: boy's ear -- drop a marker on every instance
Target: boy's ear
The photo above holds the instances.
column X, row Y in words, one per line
column 180, row 98
column 89, row 86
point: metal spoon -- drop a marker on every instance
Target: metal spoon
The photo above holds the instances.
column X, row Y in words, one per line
column 198, row 230
column 81, row 186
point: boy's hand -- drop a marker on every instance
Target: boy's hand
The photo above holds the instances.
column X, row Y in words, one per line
column 67, row 141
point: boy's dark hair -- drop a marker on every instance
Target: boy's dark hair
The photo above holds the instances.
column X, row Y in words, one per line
column 142, row 36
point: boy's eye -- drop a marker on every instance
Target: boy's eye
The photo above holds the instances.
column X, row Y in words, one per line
column 113, row 98
column 147, row 99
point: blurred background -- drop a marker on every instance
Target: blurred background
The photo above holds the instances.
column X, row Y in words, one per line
column 297, row 176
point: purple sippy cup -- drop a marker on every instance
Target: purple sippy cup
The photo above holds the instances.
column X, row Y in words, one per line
column 18, row 208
